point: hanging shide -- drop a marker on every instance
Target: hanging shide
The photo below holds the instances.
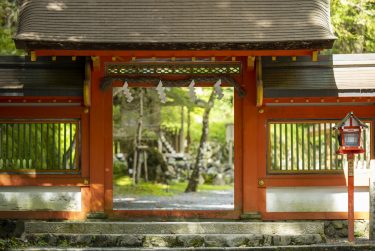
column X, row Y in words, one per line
column 160, row 89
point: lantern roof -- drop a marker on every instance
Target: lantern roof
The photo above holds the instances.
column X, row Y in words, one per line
column 174, row 25
column 350, row 115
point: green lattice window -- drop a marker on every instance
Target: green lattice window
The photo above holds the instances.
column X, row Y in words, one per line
column 116, row 69
column 41, row 146
column 310, row 146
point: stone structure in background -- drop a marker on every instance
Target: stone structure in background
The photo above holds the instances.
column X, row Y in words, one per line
column 372, row 202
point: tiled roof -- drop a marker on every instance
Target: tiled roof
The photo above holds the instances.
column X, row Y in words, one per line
column 337, row 75
column 174, row 24
column 20, row 77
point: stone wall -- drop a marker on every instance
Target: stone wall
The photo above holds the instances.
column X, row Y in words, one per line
column 339, row 228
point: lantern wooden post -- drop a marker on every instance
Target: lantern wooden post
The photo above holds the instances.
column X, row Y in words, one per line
column 349, row 138
column 350, row 179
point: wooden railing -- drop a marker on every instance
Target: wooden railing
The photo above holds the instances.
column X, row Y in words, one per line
column 40, row 146
column 310, row 147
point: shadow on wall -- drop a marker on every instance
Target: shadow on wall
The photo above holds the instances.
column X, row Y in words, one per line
column 40, row 199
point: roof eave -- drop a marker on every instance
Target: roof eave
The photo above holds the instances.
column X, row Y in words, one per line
column 261, row 45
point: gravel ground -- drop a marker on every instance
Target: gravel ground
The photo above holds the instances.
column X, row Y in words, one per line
column 207, row 200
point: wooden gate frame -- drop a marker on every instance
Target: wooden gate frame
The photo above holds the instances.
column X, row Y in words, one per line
column 96, row 179
column 101, row 124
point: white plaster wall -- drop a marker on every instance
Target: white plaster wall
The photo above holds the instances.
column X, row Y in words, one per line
column 40, row 198
column 315, row 199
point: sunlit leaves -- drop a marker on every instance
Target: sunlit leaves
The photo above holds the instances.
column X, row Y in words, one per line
column 354, row 25
column 8, row 22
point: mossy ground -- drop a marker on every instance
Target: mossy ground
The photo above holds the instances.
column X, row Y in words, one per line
column 11, row 243
column 123, row 186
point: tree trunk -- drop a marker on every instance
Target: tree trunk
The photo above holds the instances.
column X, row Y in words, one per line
column 182, row 129
column 145, row 164
column 194, row 178
column 138, row 139
column 188, row 137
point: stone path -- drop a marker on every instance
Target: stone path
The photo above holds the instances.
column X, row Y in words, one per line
column 207, row 200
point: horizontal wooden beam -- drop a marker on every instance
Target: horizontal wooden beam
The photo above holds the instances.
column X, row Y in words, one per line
column 42, row 215
column 312, row 180
column 46, row 180
column 296, row 113
column 318, row 100
column 222, row 214
column 174, row 54
column 118, row 83
column 44, row 112
column 312, row 215
column 41, row 99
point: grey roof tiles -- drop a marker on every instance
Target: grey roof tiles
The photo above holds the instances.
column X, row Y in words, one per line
column 20, row 77
column 337, row 75
column 174, row 24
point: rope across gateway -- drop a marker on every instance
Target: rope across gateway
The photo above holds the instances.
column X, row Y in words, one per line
column 154, row 80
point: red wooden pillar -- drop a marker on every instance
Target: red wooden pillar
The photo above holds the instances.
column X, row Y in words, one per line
column 250, row 143
column 350, row 197
column 100, row 138
column 108, row 147
column 238, row 152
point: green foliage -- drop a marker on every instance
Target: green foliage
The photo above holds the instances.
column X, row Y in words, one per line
column 7, row 46
column 8, row 22
column 179, row 96
column 116, row 113
column 11, row 243
column 222, row 113
column 171, row 116
column 354, row 25
column 2, row 244
column 119, row 167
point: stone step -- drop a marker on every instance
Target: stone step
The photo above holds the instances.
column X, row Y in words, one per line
column 103, row 227
column 337, row 247
column 170, row 240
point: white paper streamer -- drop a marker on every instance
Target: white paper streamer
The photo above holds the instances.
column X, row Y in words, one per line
column 192, row 94
column 161, row 91
column 218, row 90
column 127, row 93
